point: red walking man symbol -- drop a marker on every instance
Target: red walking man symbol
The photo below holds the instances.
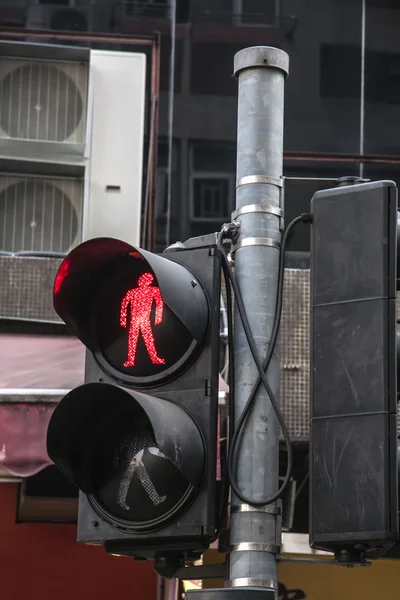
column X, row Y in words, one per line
column 141, row 301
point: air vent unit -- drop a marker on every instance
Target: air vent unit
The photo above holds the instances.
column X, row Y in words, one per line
column 43, row 101
column 71, row 145
column 40, row 213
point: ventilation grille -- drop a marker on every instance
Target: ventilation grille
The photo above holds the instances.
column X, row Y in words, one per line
column 43, row 100
column 26, row 290
column 40, row 214
column 295, row 353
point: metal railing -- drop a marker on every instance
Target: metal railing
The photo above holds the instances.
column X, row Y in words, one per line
column 138, row 10
column 244, row 19
column 159, row 9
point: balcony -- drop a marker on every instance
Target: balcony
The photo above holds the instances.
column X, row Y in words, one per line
column 244, row 28
column 141, row 17
column 207, row 26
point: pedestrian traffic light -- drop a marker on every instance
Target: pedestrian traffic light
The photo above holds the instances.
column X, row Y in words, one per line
column 139, row 438
column 353, row 429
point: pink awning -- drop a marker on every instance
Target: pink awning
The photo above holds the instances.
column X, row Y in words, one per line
column 40, row 362
column 35, row 373
column 23, row 437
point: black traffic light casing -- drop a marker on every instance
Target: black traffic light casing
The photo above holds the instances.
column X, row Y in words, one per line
column 175, row 404
column 353, row 441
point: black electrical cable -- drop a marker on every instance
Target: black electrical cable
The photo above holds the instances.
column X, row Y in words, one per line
column 262, row 369
column 231, row 382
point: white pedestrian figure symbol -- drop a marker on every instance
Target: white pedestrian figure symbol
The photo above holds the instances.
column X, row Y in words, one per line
column 136, row 446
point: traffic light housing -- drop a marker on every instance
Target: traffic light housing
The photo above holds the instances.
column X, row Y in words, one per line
column 353, row 428
column 139, row 438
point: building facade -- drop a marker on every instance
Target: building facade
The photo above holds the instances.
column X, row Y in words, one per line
column 342, row 95
column 342, row 117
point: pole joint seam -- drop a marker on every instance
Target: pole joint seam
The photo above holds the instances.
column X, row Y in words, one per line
column 256, row 547
column 252, row 582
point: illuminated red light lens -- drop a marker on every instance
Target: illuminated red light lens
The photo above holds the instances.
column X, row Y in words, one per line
column 61, row 275
column 140, row 301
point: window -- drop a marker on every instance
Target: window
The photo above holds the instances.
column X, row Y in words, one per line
column 211, row 197
column 215, row 78
column 383, row 4
column 56, row 2
column 340, row 74
column 382, row 77
column 212, row 182
column 147, row 8
column 340, row 71
column 256, row 12
column 214, row 157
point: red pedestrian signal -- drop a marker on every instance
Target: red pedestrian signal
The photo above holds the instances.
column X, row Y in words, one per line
column 140, row 301
column 144, row 317
column 144, row 462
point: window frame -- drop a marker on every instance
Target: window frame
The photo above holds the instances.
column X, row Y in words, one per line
column 194, row 175
column 238, row 11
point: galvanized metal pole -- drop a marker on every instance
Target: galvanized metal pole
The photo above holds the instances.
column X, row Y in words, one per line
column 254, row 542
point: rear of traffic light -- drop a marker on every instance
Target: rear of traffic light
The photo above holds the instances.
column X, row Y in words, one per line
column 353, row 437
column 139, row 438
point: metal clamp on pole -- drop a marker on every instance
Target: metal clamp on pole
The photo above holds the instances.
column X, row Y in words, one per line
column 270, row 509
column 266, row 179
column 258, row 590
column 256, row 547
column 255, row 241
column 278, row 182
column 260, row 208
column 271, row 584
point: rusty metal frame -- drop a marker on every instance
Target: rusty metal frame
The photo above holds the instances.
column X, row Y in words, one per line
column 321, row 157
column 148, row 236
